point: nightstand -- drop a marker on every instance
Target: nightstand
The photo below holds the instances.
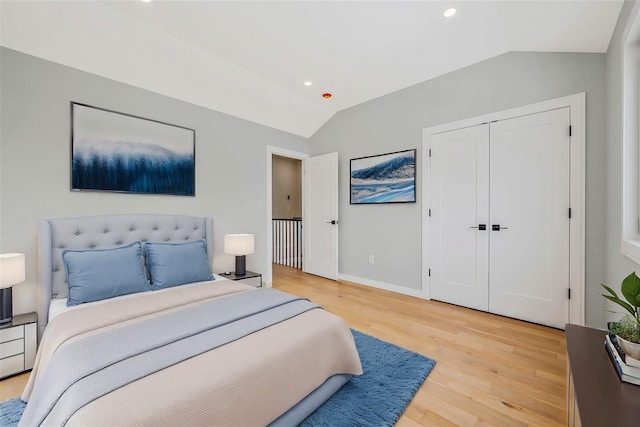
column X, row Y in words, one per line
column 251, row 278
column 18, row 344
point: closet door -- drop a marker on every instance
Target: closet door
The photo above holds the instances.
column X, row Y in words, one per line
column 459, row 208
column 529, row 200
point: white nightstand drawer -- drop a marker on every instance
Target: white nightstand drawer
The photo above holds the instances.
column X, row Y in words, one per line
column 11, row 348
column 253, row 281
column 11, row 365
column 11, row 334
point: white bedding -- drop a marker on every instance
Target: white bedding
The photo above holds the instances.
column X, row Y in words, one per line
column 59, row 305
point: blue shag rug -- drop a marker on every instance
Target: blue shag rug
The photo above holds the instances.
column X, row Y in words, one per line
column 392, row 376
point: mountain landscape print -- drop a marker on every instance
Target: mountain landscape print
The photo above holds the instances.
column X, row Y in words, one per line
column 117, row 152
column 387, row 178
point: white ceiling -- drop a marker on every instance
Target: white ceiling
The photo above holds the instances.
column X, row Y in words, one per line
column 250, row 59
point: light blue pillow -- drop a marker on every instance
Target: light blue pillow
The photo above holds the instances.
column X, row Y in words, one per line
column 173, row 264
column 98, row 274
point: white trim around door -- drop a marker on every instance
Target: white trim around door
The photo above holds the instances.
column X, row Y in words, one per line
column 576, row 104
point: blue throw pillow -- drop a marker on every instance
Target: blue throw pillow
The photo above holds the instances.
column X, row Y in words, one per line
column 98, row 274
column 173, row 264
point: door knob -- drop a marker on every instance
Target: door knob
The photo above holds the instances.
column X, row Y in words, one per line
column 497, row 227
column 481, row 227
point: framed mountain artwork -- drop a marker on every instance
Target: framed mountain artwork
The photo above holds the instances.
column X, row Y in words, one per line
column 385, row 178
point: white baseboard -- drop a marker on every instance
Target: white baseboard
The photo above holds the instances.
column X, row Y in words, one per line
column 382, row 285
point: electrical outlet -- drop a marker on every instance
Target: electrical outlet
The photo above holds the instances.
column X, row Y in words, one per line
column 372, row 259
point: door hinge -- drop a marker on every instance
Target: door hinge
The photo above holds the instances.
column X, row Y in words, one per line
column 429, row 212
column 569, row 293
column 429, row 272
column 429, row 152
column 569, row 130
column 569, row 213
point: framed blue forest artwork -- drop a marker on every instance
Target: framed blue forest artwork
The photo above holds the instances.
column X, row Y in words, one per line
column 113, row 151
column 384, row 178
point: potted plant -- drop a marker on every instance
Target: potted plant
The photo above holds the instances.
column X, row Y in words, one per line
column 628, row 328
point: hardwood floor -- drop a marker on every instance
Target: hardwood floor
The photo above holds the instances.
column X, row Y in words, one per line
column 12, row 387
column 490, row 370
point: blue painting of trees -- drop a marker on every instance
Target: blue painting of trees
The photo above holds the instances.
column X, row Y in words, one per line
column 132, row 167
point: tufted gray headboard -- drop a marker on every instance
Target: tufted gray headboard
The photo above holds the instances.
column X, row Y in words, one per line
column 105, row 231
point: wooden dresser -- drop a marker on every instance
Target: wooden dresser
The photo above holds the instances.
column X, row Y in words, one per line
column 597, row 396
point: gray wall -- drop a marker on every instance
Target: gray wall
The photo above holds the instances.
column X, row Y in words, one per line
column 231, row 161
column 394, row 122
column 618, row 265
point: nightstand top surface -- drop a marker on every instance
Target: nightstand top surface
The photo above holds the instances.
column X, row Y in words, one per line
column 232, row 275
column 21, row 319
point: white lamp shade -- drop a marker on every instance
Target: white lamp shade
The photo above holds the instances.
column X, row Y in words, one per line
column 239, row 244
column 12, row 269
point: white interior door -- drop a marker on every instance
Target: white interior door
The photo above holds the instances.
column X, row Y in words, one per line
column 459, row 210
column 320, row 228
column 529, row 200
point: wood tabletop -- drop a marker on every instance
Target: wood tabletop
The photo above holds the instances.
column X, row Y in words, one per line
column 603, row 399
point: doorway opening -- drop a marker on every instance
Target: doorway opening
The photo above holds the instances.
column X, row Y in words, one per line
column 276, row 156
column 286, row 211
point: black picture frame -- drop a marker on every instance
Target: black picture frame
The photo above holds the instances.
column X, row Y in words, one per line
column 383, row 178
column 118, row 152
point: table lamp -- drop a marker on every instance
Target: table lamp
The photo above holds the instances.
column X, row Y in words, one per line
column 239, row 245
column 12, row 272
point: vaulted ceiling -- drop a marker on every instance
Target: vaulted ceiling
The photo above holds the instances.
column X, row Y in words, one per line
column 251, row 59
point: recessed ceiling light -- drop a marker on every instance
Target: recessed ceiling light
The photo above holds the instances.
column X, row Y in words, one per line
column 449, row 12
column 308, row 83
column 147, row 1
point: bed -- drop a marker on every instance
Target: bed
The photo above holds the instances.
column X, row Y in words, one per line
column 169, row 343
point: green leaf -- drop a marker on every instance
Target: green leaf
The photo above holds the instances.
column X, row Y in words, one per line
column 611, row 291
column 631, row 289
column 621, row 303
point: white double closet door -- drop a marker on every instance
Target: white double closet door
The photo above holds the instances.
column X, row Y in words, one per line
column 500, row 217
